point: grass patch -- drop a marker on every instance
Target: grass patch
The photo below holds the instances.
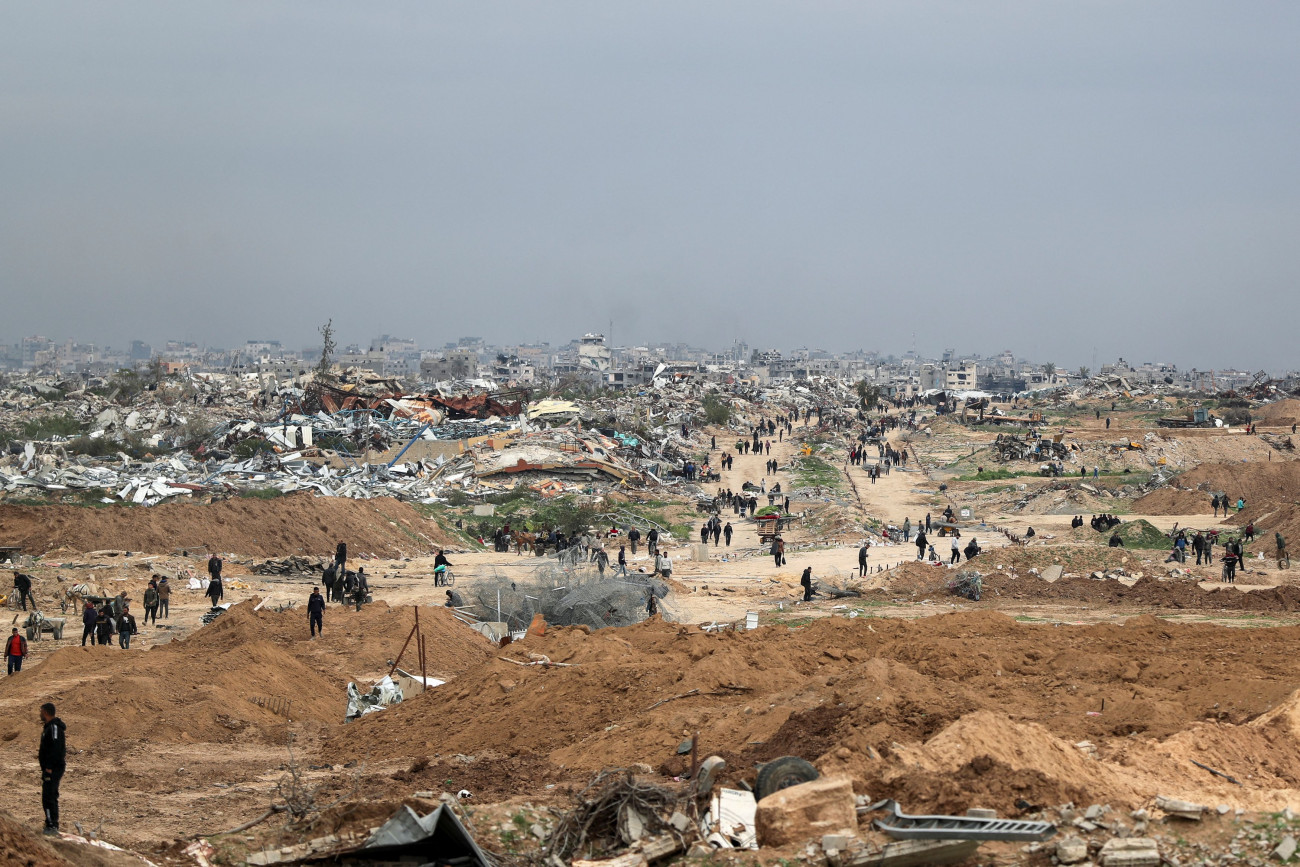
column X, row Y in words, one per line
column 996, row 475
column 48, row 426
column 779, row 619
column 810, row 471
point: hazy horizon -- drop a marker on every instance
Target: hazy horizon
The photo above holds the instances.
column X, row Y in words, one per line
column 1071, row 182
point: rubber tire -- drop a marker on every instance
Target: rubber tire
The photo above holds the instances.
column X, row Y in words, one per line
column 58, row 633
column 781, row 774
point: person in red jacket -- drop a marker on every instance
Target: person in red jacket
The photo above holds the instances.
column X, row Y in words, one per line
column 15, row 651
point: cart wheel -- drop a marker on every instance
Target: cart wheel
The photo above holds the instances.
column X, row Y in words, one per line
column 31, row 633
column 781, row 774
column 58, row 633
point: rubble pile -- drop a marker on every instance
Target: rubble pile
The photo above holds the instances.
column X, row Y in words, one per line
column 220, row 435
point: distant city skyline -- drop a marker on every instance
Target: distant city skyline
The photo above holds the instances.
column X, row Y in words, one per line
column 140, row 349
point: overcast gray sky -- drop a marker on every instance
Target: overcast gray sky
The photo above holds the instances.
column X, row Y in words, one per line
column 1054, row 178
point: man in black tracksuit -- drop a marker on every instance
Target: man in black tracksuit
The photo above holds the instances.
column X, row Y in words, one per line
column 316, row 612
column 53, row 759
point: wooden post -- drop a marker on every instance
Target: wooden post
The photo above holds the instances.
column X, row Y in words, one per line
column 403, row 650
column 423, row 670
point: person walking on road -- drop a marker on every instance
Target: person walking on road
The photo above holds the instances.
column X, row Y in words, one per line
column 15, row 651
column 862, row 560
column 52, row 756
column 920, row 544
column 316, row 612
column 726, row 533
column 805, row 581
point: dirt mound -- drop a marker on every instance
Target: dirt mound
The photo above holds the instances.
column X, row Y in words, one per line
column 489, row 778
column 172, row 694
column 1258, row 482
column 297, row 524
column 1283, row 412
column 864, row 694
column 19, row 846
column 1141, row 534
column 1268, row 520
column 983, row 780
column 914, row 578
column 353, row 644
column 1173, row 501
column 1086, row 556
column 246, row 678
column 1170, row 594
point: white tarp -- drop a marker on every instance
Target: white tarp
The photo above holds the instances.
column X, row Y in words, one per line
column 380, row 696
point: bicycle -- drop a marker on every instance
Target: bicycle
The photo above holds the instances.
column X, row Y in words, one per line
column 444, row 579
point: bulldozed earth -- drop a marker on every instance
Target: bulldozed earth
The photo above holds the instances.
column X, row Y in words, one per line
column 1083, row 674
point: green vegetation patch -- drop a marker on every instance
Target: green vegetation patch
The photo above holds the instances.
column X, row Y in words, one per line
column 1142, row 534
column 811, row 471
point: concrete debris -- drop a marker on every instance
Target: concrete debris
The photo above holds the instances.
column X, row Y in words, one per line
column 807, row 811
column 293, row 565
column 1130, row 852
column 1285, row 850
column 1182, row 809
column 1071, row 850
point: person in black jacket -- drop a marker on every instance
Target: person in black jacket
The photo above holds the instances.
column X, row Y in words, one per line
column 23, row 587
column 53, row 759
column 216, row 590
column 89, row 617
column 316, row 612
column 125, row 628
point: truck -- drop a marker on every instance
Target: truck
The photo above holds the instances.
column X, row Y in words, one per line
column 1198, row 417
